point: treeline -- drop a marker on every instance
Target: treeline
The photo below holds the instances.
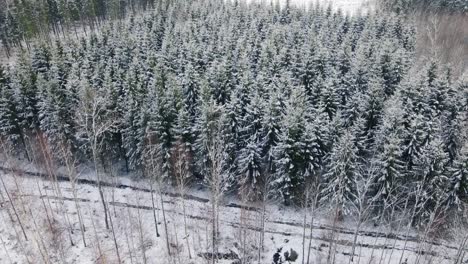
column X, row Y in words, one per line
column 22, row 20
column 273, row 100
column 409, row 6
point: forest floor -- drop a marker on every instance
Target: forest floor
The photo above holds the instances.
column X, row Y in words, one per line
column 346, row 6
column 48, row 210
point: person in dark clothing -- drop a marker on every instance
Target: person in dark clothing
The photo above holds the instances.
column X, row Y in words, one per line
column 277, row 257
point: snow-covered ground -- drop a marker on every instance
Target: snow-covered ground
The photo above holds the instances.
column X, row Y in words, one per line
column 47, row 211
column 347, row 6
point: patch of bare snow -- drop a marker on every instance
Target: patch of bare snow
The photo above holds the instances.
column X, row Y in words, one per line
column 283, row 228
column 346, row 6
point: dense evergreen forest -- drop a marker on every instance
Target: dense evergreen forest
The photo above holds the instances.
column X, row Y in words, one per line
column 284, row 98
column 409, row 6
column 23, row 20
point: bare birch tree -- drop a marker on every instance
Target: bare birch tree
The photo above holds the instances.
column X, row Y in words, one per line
column 154, row 169
column 51, row 169
column 217, row 182
column 266, row 188
column 95, row 123
column 362, row 204
column 312, row 194
column 70, row 163
column 182, row 176
column 6, row 153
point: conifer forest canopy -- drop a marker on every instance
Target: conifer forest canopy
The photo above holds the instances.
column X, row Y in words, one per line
column 289, row 97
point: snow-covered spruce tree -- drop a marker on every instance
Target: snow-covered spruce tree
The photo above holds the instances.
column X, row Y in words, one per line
column 416, row 137
column 429, row 174
column 271, row 128
column 115, row 86
column 372, row 108
column 458, row 177
column 291, row 152
column 133, row 130
column 25, row 88
column 232, row 129
column 454, row 117
column 188, row 81
column 184, row 139
column 342, row 166
column 128, row 103
column 340, row 179
column 390, row 169
column 329, row 95
column 393, row 67
column 435, row 90
column 162, row 112
column 221, row 76
column 206, row 129
column 56, row 106
column 9, row 118
column 41, row 59
column 250, row 163
column 387, row 159
column 250, row 167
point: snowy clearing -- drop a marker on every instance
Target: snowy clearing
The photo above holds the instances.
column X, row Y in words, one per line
column 130, row 204
column 346, row 6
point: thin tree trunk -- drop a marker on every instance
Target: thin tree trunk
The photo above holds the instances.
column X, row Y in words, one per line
column 176, row 241
column 304, row 227
column 127, row 240
column 195, row 244
column 70, row 164
column 24, row 145
column 356, row 232
column 154, row 211
column 96, row 237
column 101, row 193
column 386, row 235
column 463, row 251
column 14, row 209
column 131, row 247
column 114, row 184
column 422, row 241
column 398, row 230
column 413, row 214
column 20, row 242
column 263, row 218
column 115, row 239
column 185, row 227
column 331, row 251
column 164, row 221
column 459, row 258
column 20, row 196
column 311, row 231
column 35, row 161
column 140, row 229
column 213, row 231
column 78, row 211
column 50, row 170
column 360, row 255
column 44, row 205
column 46, row 257
column 242, row 233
